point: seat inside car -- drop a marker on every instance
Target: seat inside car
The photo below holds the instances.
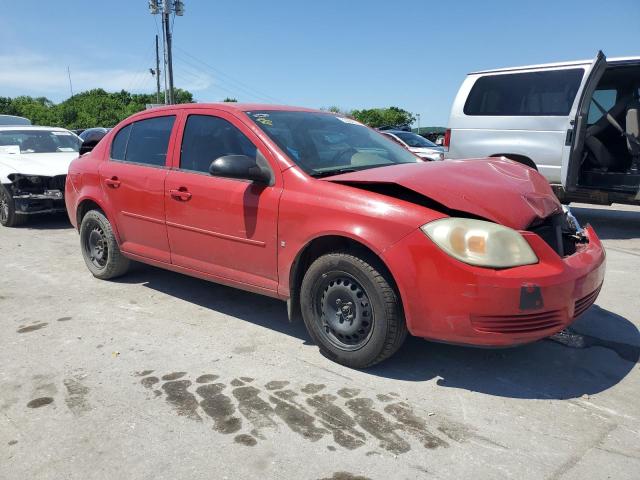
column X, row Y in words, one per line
column 633, row 131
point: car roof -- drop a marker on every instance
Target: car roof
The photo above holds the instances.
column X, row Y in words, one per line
column 612, row 60
column 395, row 132
column 31, row 127
column 230, row 107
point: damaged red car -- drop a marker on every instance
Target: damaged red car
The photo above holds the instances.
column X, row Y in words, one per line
column 361, row 238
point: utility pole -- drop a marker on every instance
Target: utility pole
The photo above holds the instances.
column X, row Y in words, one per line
column 70, row 85
column 166, row 12
column 157, row 72
column 168, row 6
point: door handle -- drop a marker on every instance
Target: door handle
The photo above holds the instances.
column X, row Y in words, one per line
column 112, row 182
column 181, row 194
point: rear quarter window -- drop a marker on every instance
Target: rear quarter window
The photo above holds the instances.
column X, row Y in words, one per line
column 549, row 93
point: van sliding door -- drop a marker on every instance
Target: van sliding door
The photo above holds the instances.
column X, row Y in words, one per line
column 574, row 146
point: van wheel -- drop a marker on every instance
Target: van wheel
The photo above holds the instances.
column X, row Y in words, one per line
column 8, row 215
column 351, row 310
column 99, row 247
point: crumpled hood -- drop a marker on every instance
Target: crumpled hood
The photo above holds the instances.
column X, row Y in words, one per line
column 496, row 189
column 44, row 164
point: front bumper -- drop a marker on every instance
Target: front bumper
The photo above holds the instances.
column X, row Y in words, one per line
column 447, row 300
column 49, row 202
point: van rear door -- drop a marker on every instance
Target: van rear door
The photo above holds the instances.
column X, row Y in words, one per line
column 574, row 145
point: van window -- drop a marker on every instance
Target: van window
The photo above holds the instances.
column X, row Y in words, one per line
column 606, row 99
column 207, row 138
column 144, row 142
column 548, row 93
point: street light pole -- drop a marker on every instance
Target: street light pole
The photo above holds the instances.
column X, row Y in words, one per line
column 418, row 115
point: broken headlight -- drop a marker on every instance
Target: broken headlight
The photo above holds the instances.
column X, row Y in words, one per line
column 480, row 243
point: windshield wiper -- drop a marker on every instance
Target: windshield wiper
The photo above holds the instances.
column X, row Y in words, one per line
column 337, row 171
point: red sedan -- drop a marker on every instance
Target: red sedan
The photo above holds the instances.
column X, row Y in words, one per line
column 361, row 238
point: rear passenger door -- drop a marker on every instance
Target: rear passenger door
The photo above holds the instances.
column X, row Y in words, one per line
column 221, row 226
column 133, row 183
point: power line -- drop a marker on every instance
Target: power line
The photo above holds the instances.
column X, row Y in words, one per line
column 241, row 85
column 195, row 71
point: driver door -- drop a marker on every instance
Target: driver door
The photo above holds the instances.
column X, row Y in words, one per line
column 220, row 226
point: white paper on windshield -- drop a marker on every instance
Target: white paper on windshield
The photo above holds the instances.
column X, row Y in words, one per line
column 14, row 149
column 66, row 134
column 349, row 120
column 65, row 149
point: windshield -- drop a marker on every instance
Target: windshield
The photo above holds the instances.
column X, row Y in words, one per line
column 323, row 144
column 414, row 140
column 38, row 141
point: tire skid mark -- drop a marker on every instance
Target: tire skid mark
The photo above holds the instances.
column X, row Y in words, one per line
column 219, row 407
column 350, row 420
column 339, row 422
column 377, row 425
column 183, row 401
column 415, row 425
column 297, row 419
column 255, row 409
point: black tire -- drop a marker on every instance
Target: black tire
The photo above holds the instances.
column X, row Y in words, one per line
column 8, row 215
column 351, row 310
column 99, row 247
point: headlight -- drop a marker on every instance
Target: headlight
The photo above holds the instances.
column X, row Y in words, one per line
column 481, row 243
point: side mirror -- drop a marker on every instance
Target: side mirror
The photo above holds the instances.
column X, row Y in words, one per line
column 240, row 167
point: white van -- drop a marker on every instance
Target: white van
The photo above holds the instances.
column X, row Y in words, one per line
column 576, row 122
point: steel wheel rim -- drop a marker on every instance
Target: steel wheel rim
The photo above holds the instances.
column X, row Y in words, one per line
column 4, row 207
column 346, row 317
column 96, row 246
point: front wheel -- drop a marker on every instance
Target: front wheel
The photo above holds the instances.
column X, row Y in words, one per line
column 100, row 248
column 8, row 215
column 351, row 309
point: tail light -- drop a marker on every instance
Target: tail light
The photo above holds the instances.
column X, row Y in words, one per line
column 447, row 138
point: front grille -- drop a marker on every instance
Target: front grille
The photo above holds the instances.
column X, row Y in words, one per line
column 554, row 232
column 57, row 182
column 527, row 323
column 583, row 304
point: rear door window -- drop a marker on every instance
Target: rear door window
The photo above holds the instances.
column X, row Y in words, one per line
column 547, row 93
column 144, row 142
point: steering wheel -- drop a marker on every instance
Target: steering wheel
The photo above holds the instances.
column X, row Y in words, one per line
column 342, row 153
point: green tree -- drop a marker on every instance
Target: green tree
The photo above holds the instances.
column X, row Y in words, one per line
column 93, row 108
column 381, row 117
column 230, row 100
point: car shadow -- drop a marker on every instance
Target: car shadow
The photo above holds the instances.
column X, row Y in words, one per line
column 260, row 310
column 57, row 221
column 605, row 347
column 546, row 369
column 610, row 223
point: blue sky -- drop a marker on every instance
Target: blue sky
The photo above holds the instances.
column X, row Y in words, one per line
column 349, row 53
